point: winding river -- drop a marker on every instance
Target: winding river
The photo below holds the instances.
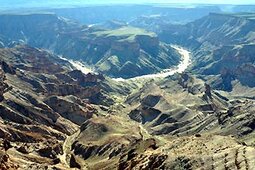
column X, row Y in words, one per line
column 184, row 63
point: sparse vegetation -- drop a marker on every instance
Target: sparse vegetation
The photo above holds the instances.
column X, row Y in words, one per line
column 125, row 33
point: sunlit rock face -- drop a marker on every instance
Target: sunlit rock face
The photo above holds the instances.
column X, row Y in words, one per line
column 56, row 115
column 2, row 84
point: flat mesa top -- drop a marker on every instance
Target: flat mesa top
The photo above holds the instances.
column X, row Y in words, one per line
column 250, row 16
column 128, row 33
column 245, row 15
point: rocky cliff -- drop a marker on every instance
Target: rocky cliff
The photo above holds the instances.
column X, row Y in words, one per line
column 110, row 51
column 42, row 101
column 177, row 123
column 222, row 46
column 215, row 29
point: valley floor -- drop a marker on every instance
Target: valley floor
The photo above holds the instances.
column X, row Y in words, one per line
column 60, row 118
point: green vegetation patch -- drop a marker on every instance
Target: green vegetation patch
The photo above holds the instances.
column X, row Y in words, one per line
column 127, row 33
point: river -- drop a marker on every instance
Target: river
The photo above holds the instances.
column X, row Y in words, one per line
column 184, row 63
column 181, row 67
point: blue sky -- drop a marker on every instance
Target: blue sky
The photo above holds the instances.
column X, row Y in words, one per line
column 13, row 4
column 20, row 2
column 179, row 1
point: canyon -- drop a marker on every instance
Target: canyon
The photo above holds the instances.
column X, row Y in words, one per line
column 144, row 93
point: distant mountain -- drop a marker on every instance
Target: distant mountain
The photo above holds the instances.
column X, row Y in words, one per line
column 93, row 14
column 40, row 29
column 111, row 52
column 153, row 23
column 217, row 29
column 127, row 13
column 243, row 8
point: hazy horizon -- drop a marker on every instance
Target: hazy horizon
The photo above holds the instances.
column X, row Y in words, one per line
column 59, row 3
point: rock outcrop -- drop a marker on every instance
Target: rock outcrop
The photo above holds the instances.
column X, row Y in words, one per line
column 2, row 84
column 43, row 100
